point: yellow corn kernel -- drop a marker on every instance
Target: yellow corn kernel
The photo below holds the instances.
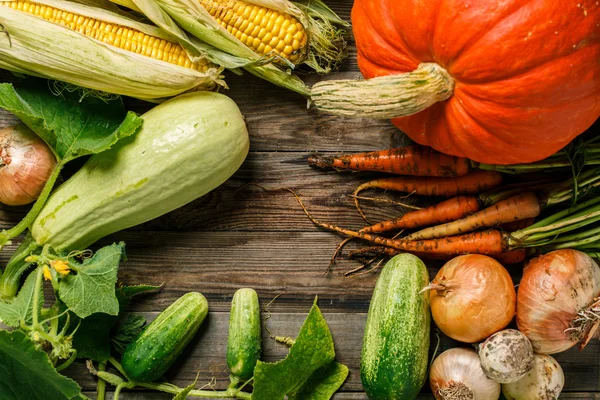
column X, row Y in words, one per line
column 262, row 29
column 118, row 36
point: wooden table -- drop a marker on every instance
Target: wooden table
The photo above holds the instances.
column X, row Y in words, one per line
column 242, row 236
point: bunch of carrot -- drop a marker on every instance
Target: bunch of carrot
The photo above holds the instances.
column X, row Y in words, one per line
column 479, row 216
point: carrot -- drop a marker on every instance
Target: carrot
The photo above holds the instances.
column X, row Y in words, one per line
column 448, row 210
column 408, row 160
column 512, row 257
column 474, row 182
column 507, row 258
column 471, row 183
column 517, row 225
column 515, row 208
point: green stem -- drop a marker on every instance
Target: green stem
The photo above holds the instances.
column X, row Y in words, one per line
column 101, row 387
column 35, row 210
column 68, row 362
column 215, row 394
column 230, row 393
column 36, row 298
column 10, row 279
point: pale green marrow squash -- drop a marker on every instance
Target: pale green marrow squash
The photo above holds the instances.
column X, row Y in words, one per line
column 187, row 146
column 394, row 358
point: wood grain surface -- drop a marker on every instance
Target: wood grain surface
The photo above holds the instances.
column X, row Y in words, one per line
column 241, row 235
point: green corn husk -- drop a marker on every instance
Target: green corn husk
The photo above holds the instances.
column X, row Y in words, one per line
column 33, row 46
column 325, row 30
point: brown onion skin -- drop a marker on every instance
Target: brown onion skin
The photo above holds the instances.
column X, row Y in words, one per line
column 480, row 298
column 554, row 287
column 26, row 164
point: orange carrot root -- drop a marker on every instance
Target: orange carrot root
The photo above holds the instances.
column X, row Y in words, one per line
column 512, row 257
column 507, row 258
column 471, row 183
column 409, row 160
column 515, row 208
column 517, row 225
column 448, row 210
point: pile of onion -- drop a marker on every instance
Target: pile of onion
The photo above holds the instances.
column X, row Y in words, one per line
column 457, row 375
column 557, row 305
column 472, row 297
column 26, row 163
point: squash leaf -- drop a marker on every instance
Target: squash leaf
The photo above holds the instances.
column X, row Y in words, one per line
column 27, row 370
column 126, row 331
column 90, row 288
column 323, row 383
column 21, row 308
column 72, row 122
column 99, row 331
column 312, row 350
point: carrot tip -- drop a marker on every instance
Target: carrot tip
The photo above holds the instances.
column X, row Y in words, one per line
column 320, row 161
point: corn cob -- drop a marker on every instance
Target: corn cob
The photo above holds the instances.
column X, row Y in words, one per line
column 264, row 30
column 115, row 35
column 98, row 49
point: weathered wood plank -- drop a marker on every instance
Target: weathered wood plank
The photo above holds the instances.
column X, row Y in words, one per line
column 218, row 263
column 206, row 354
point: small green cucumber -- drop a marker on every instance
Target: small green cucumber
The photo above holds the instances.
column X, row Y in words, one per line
column 394, row 358
column 153, row 352
column 244, row 339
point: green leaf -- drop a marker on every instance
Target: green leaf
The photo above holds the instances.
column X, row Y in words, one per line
column 21, row 308
column 126, row 293
column 91, row 288
column 126, row 331
column 312, row 350
column 184, row 393
column 323, row 383
column 26, row 372
column 93, row 338
column 72, row 123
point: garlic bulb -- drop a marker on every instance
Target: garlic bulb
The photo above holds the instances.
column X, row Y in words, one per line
column 456, row 374
column 506, row 356
column 26, row 163
column 544, row 381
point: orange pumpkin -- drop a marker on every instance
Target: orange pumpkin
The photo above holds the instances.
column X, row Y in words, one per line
column 518, row 79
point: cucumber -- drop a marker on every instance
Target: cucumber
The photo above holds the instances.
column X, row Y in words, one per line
column 244, row 338
column 394, row 357
column 186, row 147
column 153, row 352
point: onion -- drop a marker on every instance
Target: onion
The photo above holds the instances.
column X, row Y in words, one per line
column 556, row 306
column 26, row 163
column 545, row 381
column 472, row 296
column 457, row 375
column 506, row 356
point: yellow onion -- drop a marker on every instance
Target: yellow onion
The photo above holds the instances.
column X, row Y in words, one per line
column 472, row 297
column 556, row 304
column 544, row 381
column 457, row 375
column 26, row 162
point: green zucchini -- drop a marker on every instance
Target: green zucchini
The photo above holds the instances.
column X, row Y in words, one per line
column 186, row 147
column 151, row 354
column 244, row 338
column 394, row 358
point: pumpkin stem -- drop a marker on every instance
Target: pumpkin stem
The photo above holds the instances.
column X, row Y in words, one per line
column 385, row 97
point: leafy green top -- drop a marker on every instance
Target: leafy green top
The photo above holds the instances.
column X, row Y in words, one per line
column 72, row 125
